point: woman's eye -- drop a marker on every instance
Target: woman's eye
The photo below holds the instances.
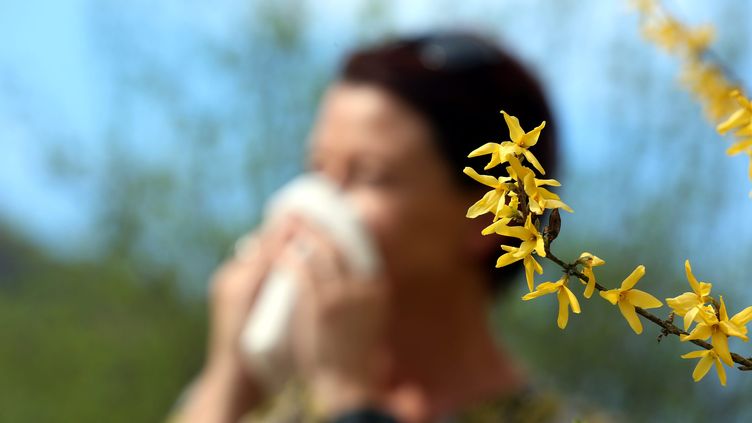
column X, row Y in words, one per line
column 372, row 177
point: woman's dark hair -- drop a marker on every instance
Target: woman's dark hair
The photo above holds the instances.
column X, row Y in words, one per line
column 459, row 82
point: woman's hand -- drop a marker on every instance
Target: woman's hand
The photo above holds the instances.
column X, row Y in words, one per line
column 339, row 325
column 337, row 332
column 225, row 389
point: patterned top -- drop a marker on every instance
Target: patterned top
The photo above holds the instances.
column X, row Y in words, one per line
column 293, row 405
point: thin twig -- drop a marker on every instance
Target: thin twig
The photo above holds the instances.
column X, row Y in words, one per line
column 668, row 327
column 571, row 269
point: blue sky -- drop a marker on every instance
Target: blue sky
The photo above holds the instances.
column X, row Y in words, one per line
column 56, row 83
column 45, row 63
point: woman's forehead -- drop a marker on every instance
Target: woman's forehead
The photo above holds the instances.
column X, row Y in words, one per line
column 365, row 114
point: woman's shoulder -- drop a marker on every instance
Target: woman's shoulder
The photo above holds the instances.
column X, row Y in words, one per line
column 531, row 406
column 293, row 404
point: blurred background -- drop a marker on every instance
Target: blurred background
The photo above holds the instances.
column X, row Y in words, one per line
column 139, row 139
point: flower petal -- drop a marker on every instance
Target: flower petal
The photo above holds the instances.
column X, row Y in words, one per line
column 721, row 372
column 696, row 354
column 642, row 299
column 487, row 148
column 743, row 317
column 683, row 303
column 484, row 205
column 540, row 247
column 590, row 288
column 486, row 180
column 518, row 171
column 633, row 277
column 746, row 131
column 731, row 329
column 563, row 316
column 514, row 231
column 590, row 260
column 739, row 146
column 556, row 204
column 531, row 266
column 702, row 367
column 689, row 317
column 629, row 313
column 507, row 259
column 525, row 249
column 534, row 161
column 691, row 278
column 515, row 130
column 705, row 289
column 572, row 299
column 531, row 138
column 549, row 182
column 491, row 229
column 543, row 289
column 720, row 346
column 612, row 295
column 722, row 312
column 737, row 119
column 495, row 161
column 701, row 331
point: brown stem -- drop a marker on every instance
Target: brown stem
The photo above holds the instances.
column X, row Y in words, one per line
column 571, row 269
column 668, row 327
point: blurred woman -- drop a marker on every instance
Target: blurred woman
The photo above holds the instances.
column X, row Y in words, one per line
column 393, row 131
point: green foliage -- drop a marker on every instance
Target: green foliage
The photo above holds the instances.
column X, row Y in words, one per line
column 598, row 359
column 91, row 342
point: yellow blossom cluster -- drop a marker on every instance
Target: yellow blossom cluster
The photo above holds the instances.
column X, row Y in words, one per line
column 723, row 100
column 712, row 321
column 519, row 203
column 740, row 125
column 503, row 201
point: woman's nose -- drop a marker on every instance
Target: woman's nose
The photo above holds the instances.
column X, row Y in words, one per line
column 337, row 174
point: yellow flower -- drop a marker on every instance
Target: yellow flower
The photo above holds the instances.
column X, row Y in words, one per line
column 707, row 82
column 688, row 304
column 589, row 261
column 504, row 214
column 518, row 146
column 539, row 198
column 742, row 146
column 645, row 7
column 665, row 33
column 673, row 36
column 531, row 239
column 493, row 200
column 698, row 39
column 741, row 319
column 707, row 359
column 528, row 261
column 566, row 298
column 628, row 298
column 719, row 328
column 741, row 117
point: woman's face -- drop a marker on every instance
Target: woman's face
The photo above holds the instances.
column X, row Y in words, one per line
column 382, row 153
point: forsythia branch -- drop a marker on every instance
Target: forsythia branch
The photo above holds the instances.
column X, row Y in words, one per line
column 668, row 327
column 704, row 75
column 518, row 202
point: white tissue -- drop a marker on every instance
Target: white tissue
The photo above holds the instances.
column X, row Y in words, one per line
column 266, row 337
